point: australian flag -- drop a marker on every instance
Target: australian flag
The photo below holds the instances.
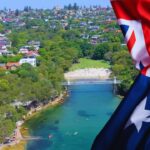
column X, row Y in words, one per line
column 129, row 126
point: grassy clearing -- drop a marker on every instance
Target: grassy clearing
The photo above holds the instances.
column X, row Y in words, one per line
column 89, row 63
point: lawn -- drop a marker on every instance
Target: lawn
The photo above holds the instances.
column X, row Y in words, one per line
column 89, row 63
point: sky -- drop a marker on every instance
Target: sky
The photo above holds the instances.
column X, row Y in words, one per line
column 19, row 4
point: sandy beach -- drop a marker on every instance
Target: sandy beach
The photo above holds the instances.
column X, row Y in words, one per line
column 89, row 73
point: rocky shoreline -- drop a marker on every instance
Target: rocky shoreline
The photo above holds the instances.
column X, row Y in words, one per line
column 22, row 132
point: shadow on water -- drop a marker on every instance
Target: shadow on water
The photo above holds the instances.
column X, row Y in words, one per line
column 53, row 128
column 83, row 113
column 56, row 122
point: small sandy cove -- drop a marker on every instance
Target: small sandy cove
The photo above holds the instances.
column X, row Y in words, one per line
column 89, row 73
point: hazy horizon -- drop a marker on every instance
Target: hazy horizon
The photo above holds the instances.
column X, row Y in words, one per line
column 17, row 4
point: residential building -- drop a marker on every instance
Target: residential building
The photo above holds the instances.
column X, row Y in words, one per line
column 31, row 61
column 12, row 65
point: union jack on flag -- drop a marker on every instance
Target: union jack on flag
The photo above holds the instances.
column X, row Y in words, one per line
column 134, row 20
column 134, row 37
column 129, row 126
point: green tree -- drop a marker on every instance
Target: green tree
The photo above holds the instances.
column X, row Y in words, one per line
column 100, row 50
column 6, row 128
column 1, row 27
column 124, row 69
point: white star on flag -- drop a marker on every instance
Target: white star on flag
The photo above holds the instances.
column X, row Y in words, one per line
column 139, row 116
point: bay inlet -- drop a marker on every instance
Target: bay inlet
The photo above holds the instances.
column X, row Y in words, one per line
column 74, row 124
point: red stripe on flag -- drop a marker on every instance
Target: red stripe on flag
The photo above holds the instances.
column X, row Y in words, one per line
column 125, row 9
column 131, row 41
column 144, row 10
column 146, row 31
column 144, row 71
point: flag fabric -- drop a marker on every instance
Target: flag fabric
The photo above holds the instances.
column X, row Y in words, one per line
column 134, row 19
column 129, row 126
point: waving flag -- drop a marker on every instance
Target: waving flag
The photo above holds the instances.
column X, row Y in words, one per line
column 134, row 19
column 129, row 126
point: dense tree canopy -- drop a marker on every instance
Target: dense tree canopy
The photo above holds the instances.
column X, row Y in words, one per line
column 59, row 49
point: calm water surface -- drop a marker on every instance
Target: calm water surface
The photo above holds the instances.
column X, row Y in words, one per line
column 74, row 125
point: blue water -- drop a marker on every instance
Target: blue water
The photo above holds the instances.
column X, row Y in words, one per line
column 74, row 124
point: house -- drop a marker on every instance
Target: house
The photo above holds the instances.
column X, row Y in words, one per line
column 27, row 52
column 32, row 105
column 95, row 39
column 3, row 49
column 52, row 26
column 102, row 40
column 23, row 50
column 34, row 43
column 20, row 24
column 8, row 31
column 83, row 24
column 7, row 53
column 7, row 20
column 27, row 48
column 32, row 54
column 90, row 23
column 85, row 36
column 12, row 65
column 5, row 42
column 35, row 27
column 123, row 44
column 93, row 28
column 17, row 104
column 64, row 24
column 2, row 35
column 29, row 60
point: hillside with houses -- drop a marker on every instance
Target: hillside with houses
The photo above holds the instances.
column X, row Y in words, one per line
column 37, row 46
column 92, row 25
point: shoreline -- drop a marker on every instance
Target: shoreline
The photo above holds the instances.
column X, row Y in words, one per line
column 80, row 74
column 22, row 131
column 88, row 73
column 59, row 100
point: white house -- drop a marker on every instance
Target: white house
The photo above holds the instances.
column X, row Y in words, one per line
column 23, row 50
column 31, row 61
